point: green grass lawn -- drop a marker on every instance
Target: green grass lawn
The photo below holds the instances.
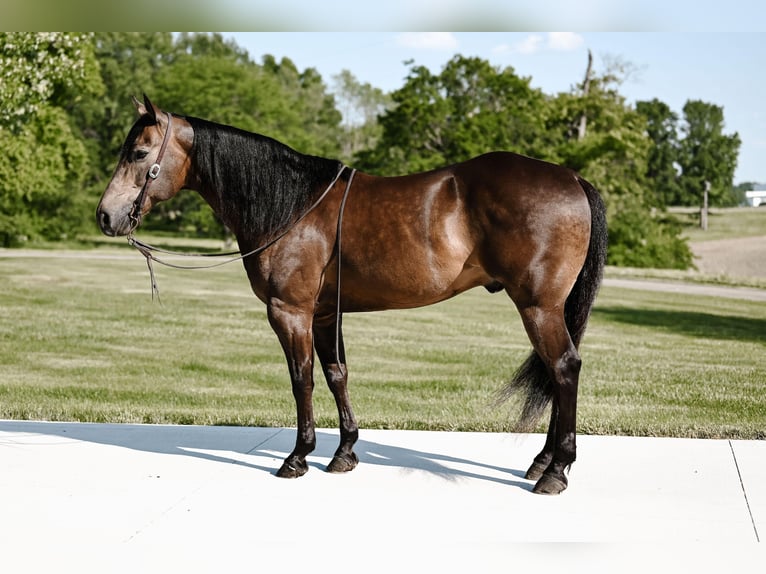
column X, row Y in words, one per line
column 723, row 223
column 81, row 340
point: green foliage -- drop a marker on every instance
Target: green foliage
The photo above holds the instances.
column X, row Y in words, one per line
column 128, row 63
column 687, row 155
column 640, row 241
column 707, row 155
column 616, row 154
column 307, row 118
column 662, row 169
column 470, row 108
column 360, row 106
column 43, row 162
column 39, row 68
column 65, row 109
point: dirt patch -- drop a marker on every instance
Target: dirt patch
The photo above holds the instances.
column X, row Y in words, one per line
column 740, row 257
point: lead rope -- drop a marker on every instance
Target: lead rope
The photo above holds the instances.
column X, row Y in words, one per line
column 148, row 250
column 338, row 241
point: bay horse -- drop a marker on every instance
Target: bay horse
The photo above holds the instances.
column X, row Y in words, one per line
column 501, row 220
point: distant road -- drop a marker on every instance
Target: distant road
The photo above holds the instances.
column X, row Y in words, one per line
column 747, row 293
column 65, row 254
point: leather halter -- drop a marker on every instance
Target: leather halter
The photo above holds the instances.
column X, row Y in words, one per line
column 151, row 175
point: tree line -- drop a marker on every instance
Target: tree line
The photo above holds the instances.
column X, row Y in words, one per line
column 65, row 110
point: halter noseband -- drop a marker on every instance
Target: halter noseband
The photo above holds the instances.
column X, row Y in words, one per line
column 151, row 175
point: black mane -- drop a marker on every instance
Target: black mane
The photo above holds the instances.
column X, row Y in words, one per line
column 260, row 185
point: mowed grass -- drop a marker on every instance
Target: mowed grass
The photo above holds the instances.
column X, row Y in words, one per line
column 81, row 339
column 723, row 223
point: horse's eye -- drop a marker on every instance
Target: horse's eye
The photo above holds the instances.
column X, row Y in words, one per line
column 141, row 154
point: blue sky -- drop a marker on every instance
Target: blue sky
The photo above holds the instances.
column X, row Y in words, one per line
column 723, row 68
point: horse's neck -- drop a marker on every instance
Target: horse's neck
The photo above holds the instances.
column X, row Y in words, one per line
column 256, row 185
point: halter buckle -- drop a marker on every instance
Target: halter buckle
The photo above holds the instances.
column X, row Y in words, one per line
column 154, row 171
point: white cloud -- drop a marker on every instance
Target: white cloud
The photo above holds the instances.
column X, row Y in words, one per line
column 551, row 41
column 564, row 41
column 530, row 45
column 428, row 40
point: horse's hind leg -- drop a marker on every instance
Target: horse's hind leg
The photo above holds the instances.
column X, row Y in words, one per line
column 335, row 372
column 547, row 330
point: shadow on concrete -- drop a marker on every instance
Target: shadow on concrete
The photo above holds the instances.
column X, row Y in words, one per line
column 266, row 443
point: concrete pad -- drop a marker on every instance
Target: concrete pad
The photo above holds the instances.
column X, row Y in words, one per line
column 172, row 498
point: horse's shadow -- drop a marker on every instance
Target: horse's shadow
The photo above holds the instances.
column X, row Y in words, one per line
column 239, row 445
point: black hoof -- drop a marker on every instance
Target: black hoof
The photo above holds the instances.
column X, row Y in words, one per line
column 535, row 471
column 343, row 463
column 292, row 469
column 550, row 484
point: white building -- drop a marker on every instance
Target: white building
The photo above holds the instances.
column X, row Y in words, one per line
column 755, row 198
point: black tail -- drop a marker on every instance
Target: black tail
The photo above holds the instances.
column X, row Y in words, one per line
column 532, row 380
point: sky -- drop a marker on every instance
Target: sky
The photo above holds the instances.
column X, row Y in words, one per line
column 722, row 68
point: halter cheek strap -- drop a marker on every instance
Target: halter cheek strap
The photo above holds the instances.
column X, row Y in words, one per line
column 151, row 175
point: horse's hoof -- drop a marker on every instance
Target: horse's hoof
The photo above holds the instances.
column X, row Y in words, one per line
column 535, row 471
column 343, row 463
column 292, row 469
column 549, row 484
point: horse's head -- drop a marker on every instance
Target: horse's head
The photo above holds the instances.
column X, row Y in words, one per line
column 153, row 167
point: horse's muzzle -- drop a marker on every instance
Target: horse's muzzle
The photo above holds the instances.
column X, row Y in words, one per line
column 113, row 224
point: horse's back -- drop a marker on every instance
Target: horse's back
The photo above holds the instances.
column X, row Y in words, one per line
column 516, row 177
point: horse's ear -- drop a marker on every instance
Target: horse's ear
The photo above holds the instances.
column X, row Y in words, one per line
column 149, row 108
column 138, row 105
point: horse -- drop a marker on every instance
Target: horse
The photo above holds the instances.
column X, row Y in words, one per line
column 501, row 221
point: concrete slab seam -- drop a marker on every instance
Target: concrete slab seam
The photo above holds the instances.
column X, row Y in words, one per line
column 744, row 492
column 264, row 441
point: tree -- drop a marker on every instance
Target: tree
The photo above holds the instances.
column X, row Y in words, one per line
column 43, row 162
column 39, row 69
column 469, row 108
column 308, row 119
column 614, row 153
column 663, row 167
column 707, row 154
column 128, row 63
column 360, row 106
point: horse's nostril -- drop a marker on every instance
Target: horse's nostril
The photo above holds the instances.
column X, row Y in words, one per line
column 104, row 221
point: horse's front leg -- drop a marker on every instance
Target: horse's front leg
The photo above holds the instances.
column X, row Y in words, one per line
column 333, row 362
column 543, row 460
column 294, row 329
